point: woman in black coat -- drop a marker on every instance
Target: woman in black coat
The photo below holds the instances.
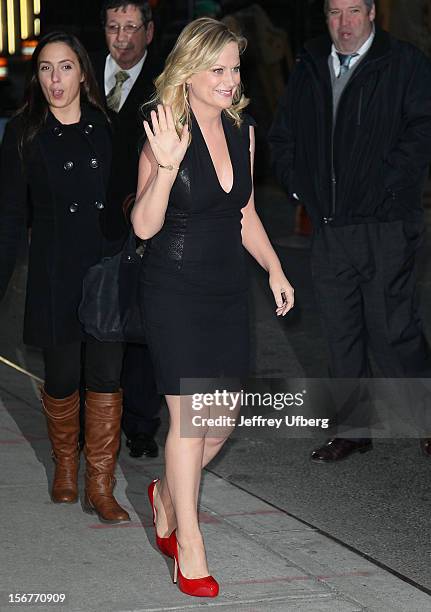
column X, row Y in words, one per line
column 56, row 156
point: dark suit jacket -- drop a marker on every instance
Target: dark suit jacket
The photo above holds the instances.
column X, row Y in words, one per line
column 128, row 137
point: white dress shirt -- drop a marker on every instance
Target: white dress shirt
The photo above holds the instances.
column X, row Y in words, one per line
column 111, row 69
column 361, row 51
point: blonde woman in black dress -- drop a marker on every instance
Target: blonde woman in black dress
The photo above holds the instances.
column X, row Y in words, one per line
column 195, row 202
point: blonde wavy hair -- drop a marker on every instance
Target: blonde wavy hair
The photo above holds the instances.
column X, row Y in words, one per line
column 197, row 49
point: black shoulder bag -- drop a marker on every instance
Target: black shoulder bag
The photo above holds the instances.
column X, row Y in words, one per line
column 111, row 309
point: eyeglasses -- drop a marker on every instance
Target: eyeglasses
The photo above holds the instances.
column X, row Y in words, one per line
column 129, row 28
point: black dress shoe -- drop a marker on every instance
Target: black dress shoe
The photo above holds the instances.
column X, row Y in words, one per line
column 142, row 444
column 338, row 449
column 426, row 446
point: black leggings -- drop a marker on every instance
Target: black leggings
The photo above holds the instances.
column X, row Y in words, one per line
column 100, row 362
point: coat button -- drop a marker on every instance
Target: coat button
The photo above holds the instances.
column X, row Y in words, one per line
column 73, row 207
column 99, row 205
column 57, row 131
column 88, row 128
column 94, row 163
column 68, row 165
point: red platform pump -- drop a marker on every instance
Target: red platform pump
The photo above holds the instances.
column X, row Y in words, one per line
column 197, row 587
column 168, row 545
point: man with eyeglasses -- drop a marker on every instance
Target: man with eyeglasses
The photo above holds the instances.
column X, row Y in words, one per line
column 129, row 30
column 125, row 78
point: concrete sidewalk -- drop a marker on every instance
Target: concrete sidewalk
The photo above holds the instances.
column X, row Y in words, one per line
column 263, row 558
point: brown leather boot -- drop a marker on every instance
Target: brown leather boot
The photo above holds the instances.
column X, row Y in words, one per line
column 102, row 441
column 62, row 416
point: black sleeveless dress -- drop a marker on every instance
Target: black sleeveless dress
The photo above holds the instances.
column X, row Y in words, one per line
column 195, row 283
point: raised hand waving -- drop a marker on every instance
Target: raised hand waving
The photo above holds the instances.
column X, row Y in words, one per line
column 168, row 148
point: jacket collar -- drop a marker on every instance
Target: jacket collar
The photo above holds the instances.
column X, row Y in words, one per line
column 89, row 116
column 143, row 87
column 320, row 48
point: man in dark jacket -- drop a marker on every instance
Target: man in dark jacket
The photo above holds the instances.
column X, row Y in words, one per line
column 125, row 77
column 352, row 140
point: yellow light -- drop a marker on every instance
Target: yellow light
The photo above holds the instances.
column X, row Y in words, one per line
column 36, row 7
column 24, row 19
column 37, row 27
column 10, row 27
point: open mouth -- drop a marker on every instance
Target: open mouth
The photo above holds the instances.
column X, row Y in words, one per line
column 226, row 93
column 57, row 93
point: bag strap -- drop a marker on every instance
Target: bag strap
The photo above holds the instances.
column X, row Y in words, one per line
column 129, row 254
column 130, row 249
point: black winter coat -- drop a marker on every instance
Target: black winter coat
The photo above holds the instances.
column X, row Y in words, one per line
column 64, row 174
column 372, row 164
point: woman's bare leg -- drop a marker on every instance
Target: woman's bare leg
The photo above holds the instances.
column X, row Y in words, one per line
column 213, row 442
column 183, row 457
column 215, row 437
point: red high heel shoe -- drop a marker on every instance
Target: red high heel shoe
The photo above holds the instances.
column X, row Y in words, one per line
column 197, row 587
column 168, row 545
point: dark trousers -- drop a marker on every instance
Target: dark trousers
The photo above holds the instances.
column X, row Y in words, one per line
column 101, row 363
column 141, row 402
column 365, row 282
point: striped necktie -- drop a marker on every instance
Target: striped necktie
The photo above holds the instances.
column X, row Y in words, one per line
column 113, row 99
column 345, row 62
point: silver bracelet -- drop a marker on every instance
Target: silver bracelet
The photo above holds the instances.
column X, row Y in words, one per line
column 169, row 167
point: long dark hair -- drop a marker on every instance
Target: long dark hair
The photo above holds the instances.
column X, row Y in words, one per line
column 34, row 110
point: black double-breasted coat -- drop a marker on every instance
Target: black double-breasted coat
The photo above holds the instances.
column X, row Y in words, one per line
column 64, row 174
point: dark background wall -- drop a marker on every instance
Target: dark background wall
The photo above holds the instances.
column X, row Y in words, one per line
column 298, row 19
column 301, row 19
